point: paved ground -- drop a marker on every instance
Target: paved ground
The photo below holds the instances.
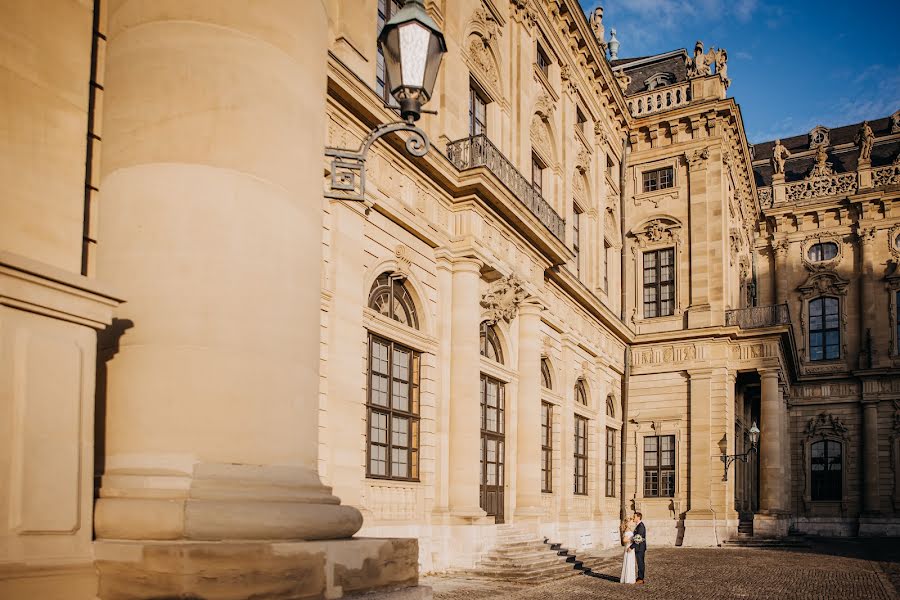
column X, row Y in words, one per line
column 831, row 569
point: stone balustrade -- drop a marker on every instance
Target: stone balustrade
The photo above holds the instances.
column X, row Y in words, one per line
column 479, row 151
column 660, row 99
column 887, row 175
column 755, row 317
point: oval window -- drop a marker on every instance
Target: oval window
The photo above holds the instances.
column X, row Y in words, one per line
column 897, row 242
column 822, row 251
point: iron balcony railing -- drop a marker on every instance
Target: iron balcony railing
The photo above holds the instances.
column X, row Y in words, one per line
column 479, row 151
column 756, row 317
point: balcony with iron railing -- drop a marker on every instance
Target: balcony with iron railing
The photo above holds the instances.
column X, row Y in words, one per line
column 479, row 151
column 757, row 317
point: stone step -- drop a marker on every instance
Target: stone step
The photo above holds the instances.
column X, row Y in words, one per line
column 520, row 563
column 754, row 542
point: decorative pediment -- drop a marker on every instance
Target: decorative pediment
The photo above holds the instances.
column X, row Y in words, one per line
column 540, row 138
column 893, row 240
column 503, row 298
column 485, row 24
column 481, row 55
column 659, row 231
column 818, row 137
column 544, row 107
column 823, row 283
column 825, row 425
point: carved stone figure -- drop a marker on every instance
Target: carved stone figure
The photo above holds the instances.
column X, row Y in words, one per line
column 596, row 22
column 779, row 155
column 503, row 298
column 821, row 168
column 895, row 122
column 699, row 65
column 866, row 139
column 623, row 80
column 722, row 65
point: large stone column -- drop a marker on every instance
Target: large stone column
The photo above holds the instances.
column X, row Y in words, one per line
column 780, row 250
column 770, row 523
column 214, row 129
column 465, row 398
column 528, row 455
column 700, row 522
column 870, row 457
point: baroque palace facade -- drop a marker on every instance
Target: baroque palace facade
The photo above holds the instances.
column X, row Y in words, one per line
column 572, row 307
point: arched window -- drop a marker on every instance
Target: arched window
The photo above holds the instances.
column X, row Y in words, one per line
column 824, row 329
column 546, row 378
column 822, row 251
column 580, row 393
column 826, row 465
column 390, row 297
column 610, row 406
column 490, row 343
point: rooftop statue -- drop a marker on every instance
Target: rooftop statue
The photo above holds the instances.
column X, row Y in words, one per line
column 596, row 22
column 779, row 155
column 699, row 65
column 866, row 139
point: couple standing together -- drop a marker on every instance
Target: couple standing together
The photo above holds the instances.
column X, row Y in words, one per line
column 634, row 536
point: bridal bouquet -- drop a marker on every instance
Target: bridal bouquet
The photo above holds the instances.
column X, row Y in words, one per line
column 637, row 539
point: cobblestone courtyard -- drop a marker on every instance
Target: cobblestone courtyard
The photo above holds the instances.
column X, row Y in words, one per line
column 830, row 569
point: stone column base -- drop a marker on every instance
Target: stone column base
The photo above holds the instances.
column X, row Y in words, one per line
column 771, row 525
column 699, row 530
column 272, row 570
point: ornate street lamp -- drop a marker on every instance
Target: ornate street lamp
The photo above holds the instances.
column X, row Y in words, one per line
column 730, row 458
column 413, row 47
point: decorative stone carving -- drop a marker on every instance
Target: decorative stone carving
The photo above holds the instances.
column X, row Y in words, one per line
column 484, row 23
column 779, row 155
column 826, row 424
column 523, row 12
column 657, row 231
column 765, row 197
column 722, row 66
column 596, row 23
column 544, row 107
column 600, row 134
column 823, row 283
column 540, row 137
column 482, row 59
column 895, row 122
column 893, row 240
column 866, row 234
column 780, row 247
column 895, row 454
column 818, row 137
column 697, row 158
column 822, row 181
column 622, row 79
column 865, row 138
column 404, row 260
column 887, row 175
column 699, row 65
column 502, row 299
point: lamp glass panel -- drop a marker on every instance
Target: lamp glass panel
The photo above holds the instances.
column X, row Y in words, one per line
column 414, row 48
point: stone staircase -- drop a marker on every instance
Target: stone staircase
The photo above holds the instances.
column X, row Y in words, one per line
column 523, row 556
column 745, row 538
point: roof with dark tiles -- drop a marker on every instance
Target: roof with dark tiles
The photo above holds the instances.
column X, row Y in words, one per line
column 640, row 73
column 843, row 160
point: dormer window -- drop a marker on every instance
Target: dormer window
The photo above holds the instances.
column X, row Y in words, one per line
column 822, row 251
column 543, row 61
column 818, row 137
column 659, row 80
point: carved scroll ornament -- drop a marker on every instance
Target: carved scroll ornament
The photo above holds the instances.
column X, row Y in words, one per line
column 503, row 298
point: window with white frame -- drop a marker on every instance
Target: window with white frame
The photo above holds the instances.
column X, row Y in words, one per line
column 658, row 179
column 824, row 329
column 581, row 455
column 659, row 466
column 659, row 283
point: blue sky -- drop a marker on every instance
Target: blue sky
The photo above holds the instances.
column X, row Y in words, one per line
column 793, row 65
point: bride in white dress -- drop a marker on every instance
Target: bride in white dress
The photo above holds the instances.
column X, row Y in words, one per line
column 629, row 563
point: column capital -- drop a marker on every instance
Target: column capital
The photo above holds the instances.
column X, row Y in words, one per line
column 466, row 264
column 768, row 372
column 531, row 306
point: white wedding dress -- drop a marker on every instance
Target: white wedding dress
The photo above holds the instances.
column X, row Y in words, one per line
column 629, row 562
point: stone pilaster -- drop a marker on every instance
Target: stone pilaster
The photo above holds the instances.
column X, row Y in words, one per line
column 871, row 504
column 700, row 225
column 868, row 329
column 528, row 454
column 465, row 409
column 700, row 520
column 780, row 272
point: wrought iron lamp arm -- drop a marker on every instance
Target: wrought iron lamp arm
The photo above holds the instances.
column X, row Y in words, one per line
column 348, row 167
column 727, row 459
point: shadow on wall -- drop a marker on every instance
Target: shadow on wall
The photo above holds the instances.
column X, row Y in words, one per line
column 107, row 347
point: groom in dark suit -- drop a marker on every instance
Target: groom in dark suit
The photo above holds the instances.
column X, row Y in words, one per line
column 639, row 547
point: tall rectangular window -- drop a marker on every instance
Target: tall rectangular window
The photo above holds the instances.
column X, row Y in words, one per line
column 826, row 464
column 546, row 447
column 537, row 174
column 659, row 283
column 581, row 456
column 477, row 112
column 610, row 462
column 607, row 256
column 393, row 411
column 386, row 10
column 543, row 61
column 659, row 466
column 576, row 236
column 658, row 179
column 824, row 329
column 610, row 168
